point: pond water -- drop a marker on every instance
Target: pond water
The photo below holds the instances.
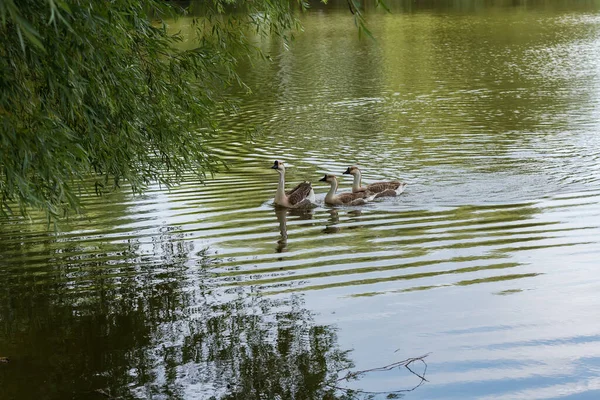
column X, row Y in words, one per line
column 490, row 111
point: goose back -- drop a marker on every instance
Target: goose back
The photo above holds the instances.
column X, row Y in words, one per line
column 299, row 193
column 379, row 187
column 348, row 198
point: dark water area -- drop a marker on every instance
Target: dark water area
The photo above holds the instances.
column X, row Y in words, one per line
column 489, row 110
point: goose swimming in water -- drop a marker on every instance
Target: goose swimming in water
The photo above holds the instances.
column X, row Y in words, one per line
column 382, row 189
column 300, row 196
column 352, row 199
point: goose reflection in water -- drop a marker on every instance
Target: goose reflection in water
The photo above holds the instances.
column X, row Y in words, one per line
column 334, row 219
column 332, row 222
column 282, row 216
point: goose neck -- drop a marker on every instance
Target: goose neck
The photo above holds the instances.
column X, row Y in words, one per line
column 281, row 185
column 331, row 194
column 356, row 185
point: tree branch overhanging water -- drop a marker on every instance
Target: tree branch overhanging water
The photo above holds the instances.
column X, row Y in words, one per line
column 96, row 94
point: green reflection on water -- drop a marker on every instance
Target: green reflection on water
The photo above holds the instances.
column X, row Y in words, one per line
column 158, row 332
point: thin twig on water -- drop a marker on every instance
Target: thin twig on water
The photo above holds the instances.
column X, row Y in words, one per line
column 404, row 363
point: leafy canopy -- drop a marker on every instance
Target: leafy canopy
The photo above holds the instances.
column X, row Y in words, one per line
column 93, row 93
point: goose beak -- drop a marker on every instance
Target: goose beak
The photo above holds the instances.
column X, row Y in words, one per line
column 347, row 171
column 323, row 179
column 274, row 167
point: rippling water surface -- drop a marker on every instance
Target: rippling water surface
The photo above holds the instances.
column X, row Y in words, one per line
column 488, row 261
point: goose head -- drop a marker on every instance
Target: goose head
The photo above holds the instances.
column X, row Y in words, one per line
column 353, row 170
column 328, row 179
column 278, row 166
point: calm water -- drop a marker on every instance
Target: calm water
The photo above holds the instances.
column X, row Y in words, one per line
column 488, row 261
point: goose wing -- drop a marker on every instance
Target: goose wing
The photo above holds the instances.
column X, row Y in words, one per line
column 304, row 204
column 299, row 193
column 289, row 192
column 378, row 187
column 347, row 198
column 386, row 193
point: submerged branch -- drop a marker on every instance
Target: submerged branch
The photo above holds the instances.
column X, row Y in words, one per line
column 404, row 363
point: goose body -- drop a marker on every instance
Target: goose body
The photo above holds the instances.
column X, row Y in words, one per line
column 301, row 196
column 381, row 189
column 352, row 199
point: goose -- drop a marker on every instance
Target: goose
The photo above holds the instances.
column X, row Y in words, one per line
column 353, row 199
column 300, row 196
column 382, row 189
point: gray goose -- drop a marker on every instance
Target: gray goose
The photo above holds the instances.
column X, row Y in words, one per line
column 381, row 189
column 300, row 196
column 351, row 199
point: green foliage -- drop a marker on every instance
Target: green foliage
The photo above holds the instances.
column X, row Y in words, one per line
column 93, row 93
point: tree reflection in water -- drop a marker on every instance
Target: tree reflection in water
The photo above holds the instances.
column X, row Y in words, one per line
column 153, row 323
column 253, row 347
column 156, row 330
